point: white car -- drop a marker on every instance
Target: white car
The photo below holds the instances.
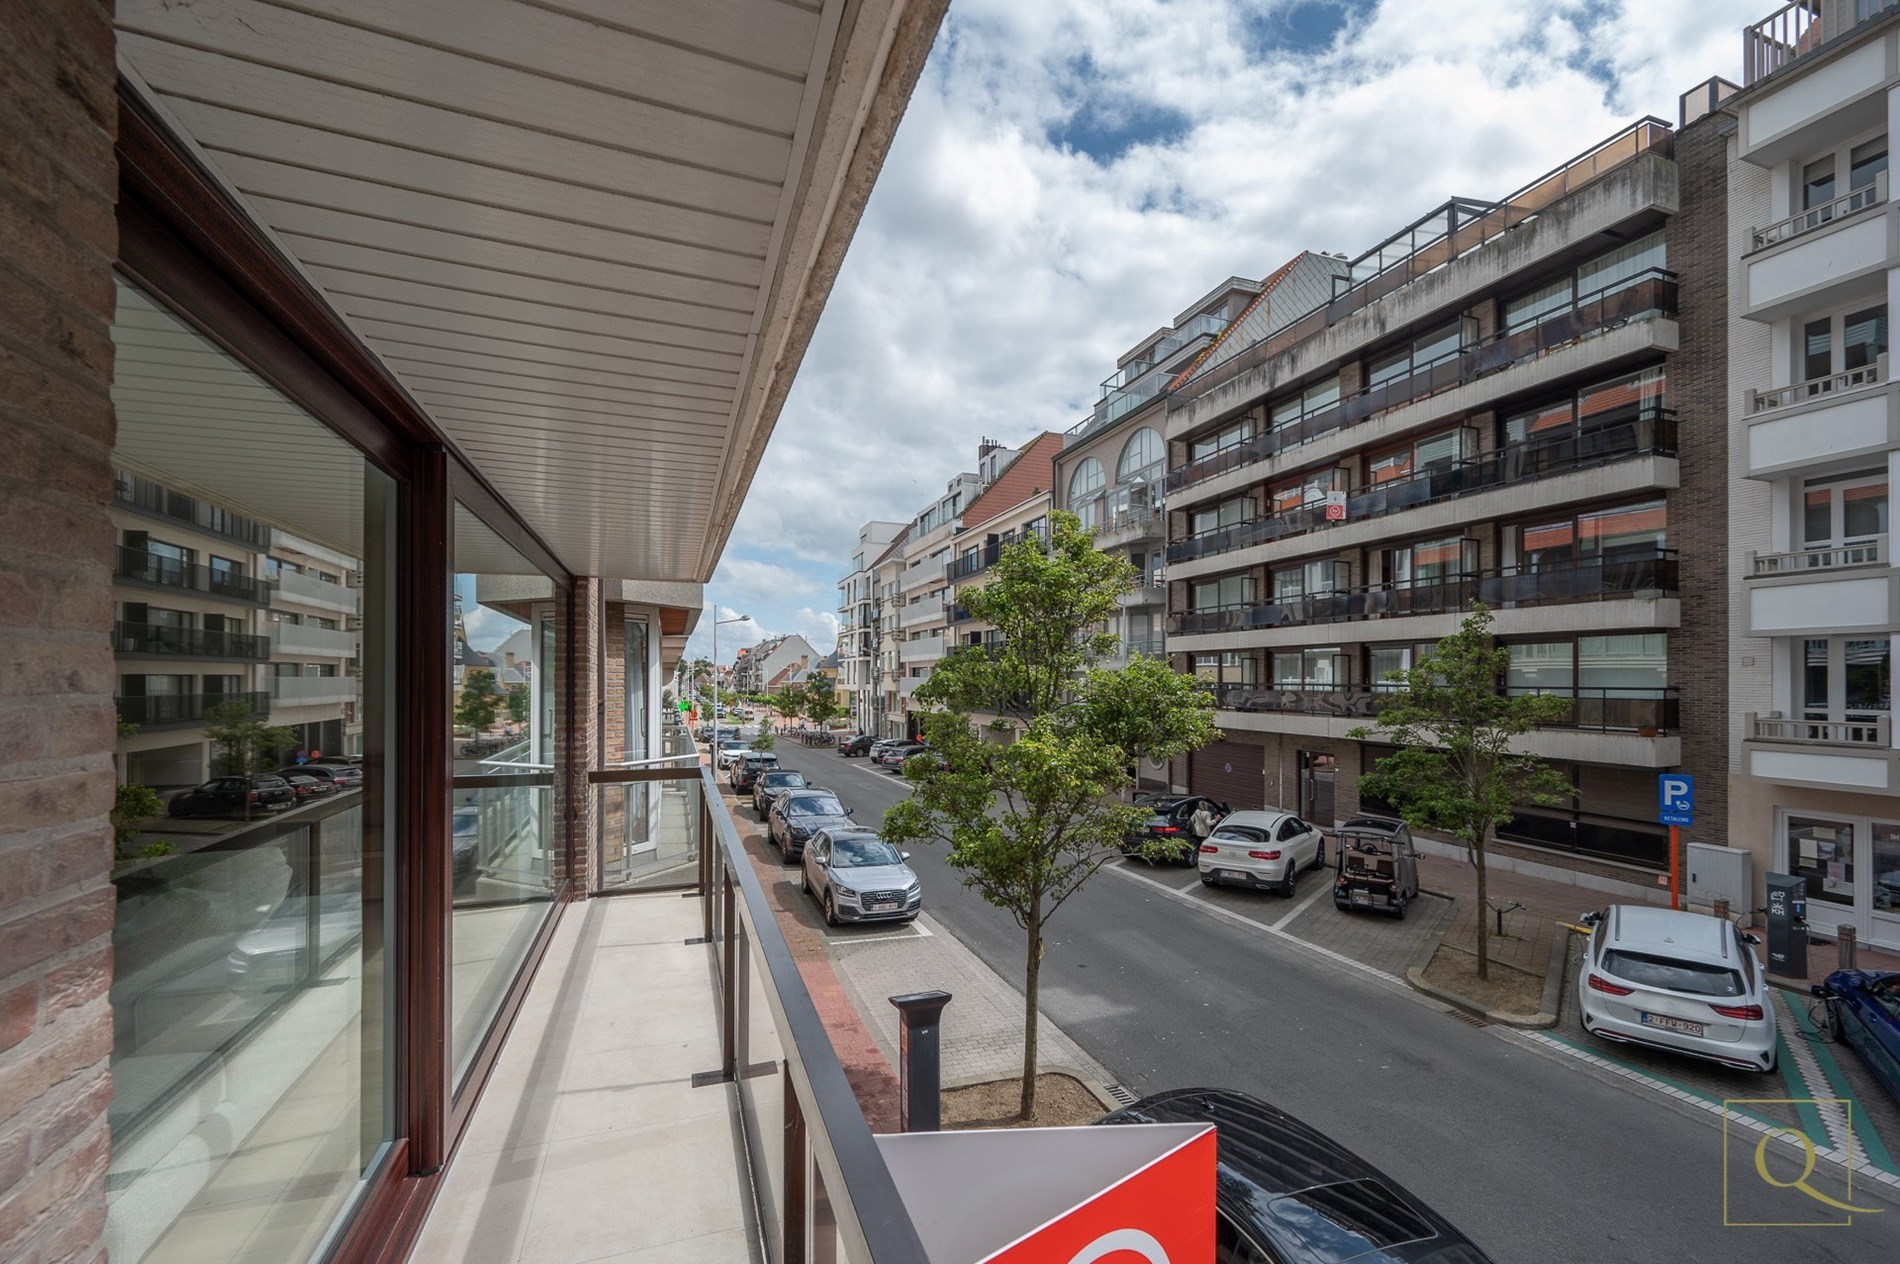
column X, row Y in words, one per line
column 1679, row 981
column 731, row 754
column 1261, row 849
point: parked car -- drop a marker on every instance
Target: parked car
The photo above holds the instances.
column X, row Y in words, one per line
column 859, row 745
column 746, row 769
column 858, row 877
column 798, row 814
column 1261, row 849
column 1168, row 821
column 232, row 796
column 925, row 760
column 345, row 776
column 1378, row 865
column 894, row 755
column 1863, row 1012
column 1285, row 1191
column 275, row 955
column 308, row 788
column 465, row 833
column 1680, row 981
column 730, row 750
column 773, row 782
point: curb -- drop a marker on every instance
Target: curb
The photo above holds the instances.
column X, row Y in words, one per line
column 1548, row 1010
column 1096, row 1090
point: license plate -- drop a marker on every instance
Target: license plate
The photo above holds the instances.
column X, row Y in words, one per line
column 1667, row 1023
column 883, row 906
column 1361, row 897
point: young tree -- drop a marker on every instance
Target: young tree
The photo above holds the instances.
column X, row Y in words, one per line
column 1028, row 823
column 1454, row 770
column 821, row 704
column 240, row 738
column 788, row 702
column 518, row 704
column 480, row 700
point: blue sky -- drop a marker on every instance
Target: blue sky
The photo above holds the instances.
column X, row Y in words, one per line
column 1072, row 173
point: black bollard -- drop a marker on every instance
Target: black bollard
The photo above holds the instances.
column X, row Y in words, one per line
column 919, row 1061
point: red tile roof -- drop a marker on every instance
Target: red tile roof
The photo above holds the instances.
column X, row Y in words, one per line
column 1033, row 471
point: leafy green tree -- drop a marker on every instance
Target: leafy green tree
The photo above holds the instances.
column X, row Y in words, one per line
column 788, row 702
column 480, row 700
column 1027, row 823
column 518, row 705
column 241, row 740
column 131, row 807
column 821, row 705
column 1455, row 771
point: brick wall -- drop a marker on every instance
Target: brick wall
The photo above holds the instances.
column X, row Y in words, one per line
column 58, row 179
column 1698, row 510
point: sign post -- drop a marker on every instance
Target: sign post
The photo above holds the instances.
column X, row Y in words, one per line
column 1675, row 807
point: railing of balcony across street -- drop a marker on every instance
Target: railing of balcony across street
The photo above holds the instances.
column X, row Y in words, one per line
column 1832, row 558
column 1652, row 573
column 143, row 567
column 1849, row 203
column 1649, row 293
column 1816, row 387
column 1650, row 433
column 157, row 639
column 1870, row 730
column 1646, row 710
column 167, row 710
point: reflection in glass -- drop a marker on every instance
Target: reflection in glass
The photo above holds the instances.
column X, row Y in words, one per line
column 250, row 1042
column 1822, row 852
column 504, row 727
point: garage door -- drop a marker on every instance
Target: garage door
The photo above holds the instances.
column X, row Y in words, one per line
column 1233, row 772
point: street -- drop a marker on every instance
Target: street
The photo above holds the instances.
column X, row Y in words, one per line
column 1536, row 1155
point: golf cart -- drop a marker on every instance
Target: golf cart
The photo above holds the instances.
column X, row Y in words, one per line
column 1376, row 865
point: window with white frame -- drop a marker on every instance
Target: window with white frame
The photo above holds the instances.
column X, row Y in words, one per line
column 1843, row 509
column 1841, row 342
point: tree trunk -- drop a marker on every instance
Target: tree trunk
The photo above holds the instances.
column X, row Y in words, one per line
column 1484, row 909
column 1031, row 990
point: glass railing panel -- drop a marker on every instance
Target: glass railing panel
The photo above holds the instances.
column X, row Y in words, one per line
column 650, row 831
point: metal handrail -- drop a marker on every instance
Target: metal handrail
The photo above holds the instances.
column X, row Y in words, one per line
column 1779, row 38
column 1849, row 203
column 865, row 1203
column 1834, row 557
column 1827, row 384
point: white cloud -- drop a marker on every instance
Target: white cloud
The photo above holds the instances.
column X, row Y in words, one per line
column 997, row 274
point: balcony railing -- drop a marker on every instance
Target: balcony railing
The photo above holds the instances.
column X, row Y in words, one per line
column 142, row 567
column 1650, row 293
column 1602, row 710
column 1816, row 387
column 303, row 691
column 921, row 612
column 1652, row 433
column 1504, row 587
column 158, row 711
column 1833, row 558
column 160, row 641
column 1122, row 526
column 973, row 563
column 1873, row 731
column 1849, row 203
column 310, row 590
column 133, row 492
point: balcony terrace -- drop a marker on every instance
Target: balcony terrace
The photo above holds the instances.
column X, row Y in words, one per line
column 146, row 640
column 1853, row 754
column 155, row 500
column 168, row 711
column 137, row 566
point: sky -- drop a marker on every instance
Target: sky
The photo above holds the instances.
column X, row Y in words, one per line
column 1070, row 174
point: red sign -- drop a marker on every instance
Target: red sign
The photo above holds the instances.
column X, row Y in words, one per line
column 1162, row 1213
column 1335, row 506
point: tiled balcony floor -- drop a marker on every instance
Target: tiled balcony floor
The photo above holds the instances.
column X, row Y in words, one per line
column 590, row 1142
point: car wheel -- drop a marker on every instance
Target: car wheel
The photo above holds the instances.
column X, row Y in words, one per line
column 1319, row 855
column 1292, row 879
column 804, row 880
column 1398, row 908
column 831, row 910
column 1836, row 1028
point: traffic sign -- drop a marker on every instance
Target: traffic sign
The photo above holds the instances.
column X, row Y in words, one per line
column 1675, row 798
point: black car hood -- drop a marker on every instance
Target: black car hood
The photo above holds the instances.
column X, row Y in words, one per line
column 812, row 824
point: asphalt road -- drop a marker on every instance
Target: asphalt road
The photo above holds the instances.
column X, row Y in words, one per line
column 1538, row 1157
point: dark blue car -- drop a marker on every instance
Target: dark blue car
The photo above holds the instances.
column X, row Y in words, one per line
column 1863, row 1012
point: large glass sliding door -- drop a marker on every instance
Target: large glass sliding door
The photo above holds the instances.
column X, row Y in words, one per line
column 252, row 1069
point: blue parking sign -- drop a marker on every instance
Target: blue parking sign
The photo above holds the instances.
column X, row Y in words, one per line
column 1675, row 798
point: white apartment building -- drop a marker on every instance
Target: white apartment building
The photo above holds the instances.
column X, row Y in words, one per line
column 858, row 612
column 314, row 630
column 886, row 670
column 1815, row 430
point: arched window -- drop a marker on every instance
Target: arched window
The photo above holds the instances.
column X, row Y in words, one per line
column 1085, row 491
column 1141, row 456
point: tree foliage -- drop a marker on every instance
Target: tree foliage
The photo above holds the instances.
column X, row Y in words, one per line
column 1455, row 771
column 480, row 700
column 788, row 702
column 518, row 705
column 821, row 705
column 1027, row 822
column 131, row 807
column 241, row 740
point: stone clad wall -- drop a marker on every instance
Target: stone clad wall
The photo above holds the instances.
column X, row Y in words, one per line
column 58, row 240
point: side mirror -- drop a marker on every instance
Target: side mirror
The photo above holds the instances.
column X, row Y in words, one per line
column 1750, row 939
column 903, row 855
column 850, row 811
column 1818, row 989
column 1590, row 919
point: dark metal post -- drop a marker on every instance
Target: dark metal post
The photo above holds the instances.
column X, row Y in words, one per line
column 728, row 1026
column 1847, row 946
column 919, row 1061
column 797, row 1161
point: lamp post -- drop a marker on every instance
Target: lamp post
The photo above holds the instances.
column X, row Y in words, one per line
column 717, row 622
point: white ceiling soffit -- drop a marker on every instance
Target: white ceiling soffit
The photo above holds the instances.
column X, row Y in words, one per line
column 589, row 237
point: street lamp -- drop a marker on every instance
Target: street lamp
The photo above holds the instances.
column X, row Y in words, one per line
column 717, row 622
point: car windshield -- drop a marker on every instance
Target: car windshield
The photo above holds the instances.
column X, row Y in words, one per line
column 1346, row 1220
column 1241, row 834
column 783, row 779
column 1695, row 977
column 857, row 853
column 814, row 805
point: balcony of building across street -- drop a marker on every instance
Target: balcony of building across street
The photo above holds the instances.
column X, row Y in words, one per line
column 1645, row 710
column 309, row 691
column 1130, row 524
column 1651, row 433
column 146, row 640
column 309, row 590
column 1838, row 590
column 1650, row 575
column 307, row 638
column 143, row 496
column 1852, row 753
column 1836, row 416
column 1794, row 30
column 139, row 566
column 1143, row 378
column 1650, row 293
column 931, row 609
column 1830, row 255
column 174, row 710
column 1149, row 590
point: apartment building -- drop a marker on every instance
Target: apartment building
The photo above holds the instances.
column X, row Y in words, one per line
column 771, row 663
column 1012, row 508
column 1509, row 401
column 1814, row 763
column 313, row 620
column 887, row 571
column 859, row 608
column 190, row 592
column 923, row 586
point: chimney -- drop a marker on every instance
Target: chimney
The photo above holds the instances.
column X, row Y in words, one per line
column 986, row 447
column 508, row 659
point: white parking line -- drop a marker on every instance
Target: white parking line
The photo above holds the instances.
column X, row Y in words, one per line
column 916, row 930
column 1302, row 906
